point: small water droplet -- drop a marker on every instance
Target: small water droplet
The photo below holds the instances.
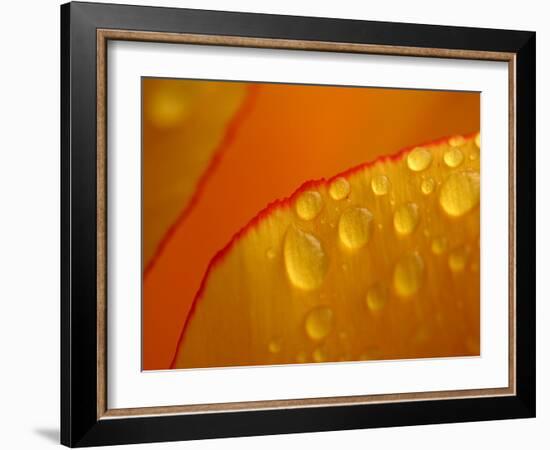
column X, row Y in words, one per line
column 270, row 253
column 427, row 186
column 339, row 188
column 344, row 267
column 309, row 204
column 473, row 156
column 405, row 218
column 477, row 140
column 380, row 226
column 377, row 296
column 319, row 355
column 301, row 357
column 370, row 353
column 408, row 275
column 459, row 193
column 319, row 322
column 419, row 159
column 456, row 141
column 380, row 184
column 458, row 259
column 439, row 245
column 453, row 157
column 305, row 259
column 275, row 346
column 354, row 227
column 422, row 335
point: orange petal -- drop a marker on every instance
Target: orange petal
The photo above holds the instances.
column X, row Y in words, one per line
column 370, row 264
column 183, row 124
column 289, row 134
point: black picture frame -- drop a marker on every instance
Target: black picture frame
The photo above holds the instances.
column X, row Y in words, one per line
column 80, row 424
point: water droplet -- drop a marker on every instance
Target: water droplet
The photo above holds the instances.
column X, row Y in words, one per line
column 439, row 245
column 456, row 141
column 453, row 157
column 459, row 193
column 167, row 110
column 370, row 353
column 275, row 346
column 354, row 227
column 380, row 184
column 419, row 159
column 422, row 335
column 319, row 355
column 474, row 155
column 380, row 226
column 319, row 322
column 477, row 140
column 309, row 204
column 377, row 296
column 339, row 188
column 405, row 218
column 344, row 267
column 270, row 253
column 305, row 259
column 427, row 186
column 408, row 275
column 458, row 259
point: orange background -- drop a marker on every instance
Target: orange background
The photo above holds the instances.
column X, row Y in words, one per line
column 270, row 139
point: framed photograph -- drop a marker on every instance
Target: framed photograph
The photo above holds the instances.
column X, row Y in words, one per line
column 277, row 224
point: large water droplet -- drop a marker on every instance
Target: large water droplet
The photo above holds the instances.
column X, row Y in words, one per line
column 339, row 188
column 380, row 184
column 309, row 204
column 305, row 259
column 319, row 322
column 453, row 157
column 354, row 227
column 459, row 193
column 405, row 218
column 377, row 296
column 419, row 159
column 456, row 141
column 408, row 275
column 427, row 186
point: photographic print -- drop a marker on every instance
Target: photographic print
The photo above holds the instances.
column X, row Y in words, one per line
column 300, row 224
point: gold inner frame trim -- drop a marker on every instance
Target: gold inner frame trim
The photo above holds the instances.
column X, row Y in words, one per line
column 103, row 36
